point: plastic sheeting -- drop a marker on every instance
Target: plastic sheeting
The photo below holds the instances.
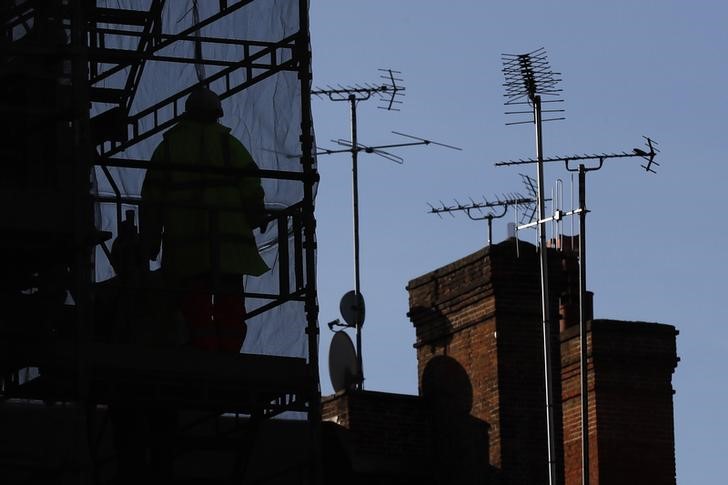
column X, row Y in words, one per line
column 265, row 117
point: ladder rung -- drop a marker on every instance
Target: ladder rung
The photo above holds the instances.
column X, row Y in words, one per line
column 119, row 16
column 106, row 95
column 112, row 56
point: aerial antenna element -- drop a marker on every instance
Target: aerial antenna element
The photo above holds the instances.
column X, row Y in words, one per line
column 388, row 92
column 491, row 209
column 530, row 81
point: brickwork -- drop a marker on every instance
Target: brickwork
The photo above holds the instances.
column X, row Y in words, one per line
column 484, row 312
column 381, row 423
column 402, row 439
column 571, row 407
column 453, row 310
column 481, row 417
column 631, row 410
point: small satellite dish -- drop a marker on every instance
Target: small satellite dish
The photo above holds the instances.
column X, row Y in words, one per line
column 352, row 308
column 343, row 366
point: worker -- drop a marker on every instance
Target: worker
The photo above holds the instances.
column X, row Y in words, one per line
column 204, row 222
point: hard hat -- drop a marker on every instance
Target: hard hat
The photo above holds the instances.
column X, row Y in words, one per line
column 205, row 102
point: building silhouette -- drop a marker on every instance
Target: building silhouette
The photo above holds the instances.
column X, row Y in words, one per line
column 480, row 414
column 79, row 334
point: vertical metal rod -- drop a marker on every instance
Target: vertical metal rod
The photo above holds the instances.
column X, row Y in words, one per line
column 583, row 349
column 555, row 207
column 82, row 256
column 355, row 208
column 545, row 310
column 303, row 53
column 490, row 230
column 572, row 208
column 559, row 205
column 515, row 226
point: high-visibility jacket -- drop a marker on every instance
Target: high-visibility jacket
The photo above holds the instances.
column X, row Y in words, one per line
column 204, row 220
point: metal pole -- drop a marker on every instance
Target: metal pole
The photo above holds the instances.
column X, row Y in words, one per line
column 545, row 310
column 582, row 330
column 355, row 204
column 82, row 256
column 309, row 242
column 490, row 230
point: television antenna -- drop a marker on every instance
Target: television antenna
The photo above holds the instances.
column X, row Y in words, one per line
column 528, row 78
column 388, row 93
column 493, row 209
column 581, row 211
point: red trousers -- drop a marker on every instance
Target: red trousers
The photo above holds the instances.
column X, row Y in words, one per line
column 216, row 321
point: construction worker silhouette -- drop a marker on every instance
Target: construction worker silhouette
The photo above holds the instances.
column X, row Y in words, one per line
column 204, row 221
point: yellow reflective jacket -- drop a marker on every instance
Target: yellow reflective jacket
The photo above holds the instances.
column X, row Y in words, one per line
column 204, row 220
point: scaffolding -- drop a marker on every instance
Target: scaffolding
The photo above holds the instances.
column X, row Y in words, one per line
column 76, row 77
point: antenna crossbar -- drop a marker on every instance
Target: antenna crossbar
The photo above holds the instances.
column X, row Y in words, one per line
column 475, row 210
column 649, row 156
column 508, row 200
column 388, row 91
column 380, row 149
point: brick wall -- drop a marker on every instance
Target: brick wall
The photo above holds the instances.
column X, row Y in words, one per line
column 631, row 408
column 571, row 407
column 377, row 437
column 484, row 312
column 380, row 422
column 453, row 311
column 394, row 438
column 482, row 315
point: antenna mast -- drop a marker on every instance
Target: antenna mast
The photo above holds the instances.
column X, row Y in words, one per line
column 388, row 92
column 528, row 77
column 533, row 70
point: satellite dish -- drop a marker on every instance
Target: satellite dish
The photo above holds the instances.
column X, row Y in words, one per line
column 352, row 308
column 343, row 366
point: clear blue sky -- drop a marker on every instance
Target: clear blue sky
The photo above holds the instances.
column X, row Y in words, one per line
column 655, row 242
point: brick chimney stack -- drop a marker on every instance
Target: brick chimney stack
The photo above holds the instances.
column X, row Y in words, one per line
column 631, row 429
column 483, row 311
